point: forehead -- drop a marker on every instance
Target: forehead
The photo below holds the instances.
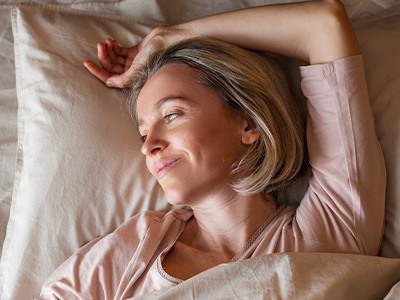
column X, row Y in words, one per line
column 172, row 81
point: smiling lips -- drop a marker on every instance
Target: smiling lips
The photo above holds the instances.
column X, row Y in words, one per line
column 162, row 166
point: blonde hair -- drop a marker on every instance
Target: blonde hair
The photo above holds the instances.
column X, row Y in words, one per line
column 251, row 85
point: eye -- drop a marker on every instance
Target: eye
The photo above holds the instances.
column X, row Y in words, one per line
column 170, row 117
column 143, row 138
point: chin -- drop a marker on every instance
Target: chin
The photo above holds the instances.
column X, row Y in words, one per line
column 176, row 201
column 176, row 197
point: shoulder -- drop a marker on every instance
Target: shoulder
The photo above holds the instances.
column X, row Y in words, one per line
column 131, row 246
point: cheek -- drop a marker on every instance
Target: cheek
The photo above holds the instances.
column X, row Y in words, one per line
column 198, row 138
column 149, row 164
column 215, row 147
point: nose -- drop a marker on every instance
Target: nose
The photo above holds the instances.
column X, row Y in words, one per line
column 153, row 144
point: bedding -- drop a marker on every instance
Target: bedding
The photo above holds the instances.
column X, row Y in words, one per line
column 282, row 276
column 8, row 120
column 77, row 151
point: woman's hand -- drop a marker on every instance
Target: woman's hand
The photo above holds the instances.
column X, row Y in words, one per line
column 119, row 64
column 312, row 31
column 114, row 61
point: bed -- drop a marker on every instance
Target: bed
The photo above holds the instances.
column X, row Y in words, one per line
column 71, row 168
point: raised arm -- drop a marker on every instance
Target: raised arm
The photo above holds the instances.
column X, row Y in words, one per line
column 315, row 32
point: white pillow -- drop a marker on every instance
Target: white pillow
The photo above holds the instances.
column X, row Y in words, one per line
column 79, row 171
column 8, row 119
column 379, row 39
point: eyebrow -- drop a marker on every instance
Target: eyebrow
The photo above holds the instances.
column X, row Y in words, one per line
column 160, row 103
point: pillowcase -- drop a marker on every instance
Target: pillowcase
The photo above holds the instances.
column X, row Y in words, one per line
column 79, row 170
column 8, row 119
column 379, row 38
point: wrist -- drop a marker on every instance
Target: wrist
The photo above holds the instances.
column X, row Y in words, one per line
column 177, row 33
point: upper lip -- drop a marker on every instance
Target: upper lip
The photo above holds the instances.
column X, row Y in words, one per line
column 163, row 165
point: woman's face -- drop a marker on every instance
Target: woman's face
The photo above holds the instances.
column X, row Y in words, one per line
column 190, row 138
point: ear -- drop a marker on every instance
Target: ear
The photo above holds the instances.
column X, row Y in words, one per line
column 250, row 132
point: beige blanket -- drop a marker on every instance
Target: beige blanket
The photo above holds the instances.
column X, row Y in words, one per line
column 294, row 276
column 279, row 276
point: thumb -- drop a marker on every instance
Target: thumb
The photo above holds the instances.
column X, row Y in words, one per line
column 123, row 80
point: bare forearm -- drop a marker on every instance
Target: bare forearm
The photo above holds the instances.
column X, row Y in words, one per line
column 316, row 31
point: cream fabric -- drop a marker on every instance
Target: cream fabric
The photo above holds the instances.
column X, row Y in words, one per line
column 8, row 120
column 60, row 41
column 79, row 172
column 129, row 261
column 379, row 38
column 114, row 267
column 293, row 276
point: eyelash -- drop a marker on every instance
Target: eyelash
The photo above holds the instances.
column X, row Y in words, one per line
column 143, row 138
column 168, row 118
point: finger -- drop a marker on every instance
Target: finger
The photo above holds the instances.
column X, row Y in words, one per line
column 131, row 56
column 118, row 69
column 123, row 80
column 95, row 70
column 116, row 55
column 133, row 63
column 128, row 63
column 110, row 51
column 116, row 47
column 121, row 51
column 121, row 60
column 109, row 41
column 125, row 61
column 103, row 57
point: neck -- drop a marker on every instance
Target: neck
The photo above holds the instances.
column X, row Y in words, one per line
column 226, row 228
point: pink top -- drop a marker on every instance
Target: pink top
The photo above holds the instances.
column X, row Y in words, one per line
column 342, row 210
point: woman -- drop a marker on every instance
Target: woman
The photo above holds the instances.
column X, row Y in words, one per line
column 221, row 136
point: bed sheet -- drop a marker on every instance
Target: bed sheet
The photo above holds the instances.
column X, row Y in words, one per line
column 158, row 11
column 8, row 120
column 282, row 276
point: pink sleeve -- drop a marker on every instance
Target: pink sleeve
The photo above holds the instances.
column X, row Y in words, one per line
column 96, row 269
column 344, row 205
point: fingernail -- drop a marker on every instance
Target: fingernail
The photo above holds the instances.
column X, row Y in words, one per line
column 109, row 83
